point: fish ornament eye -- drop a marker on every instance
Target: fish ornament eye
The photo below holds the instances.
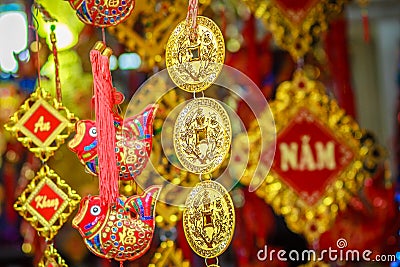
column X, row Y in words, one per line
column 93, row 132
column 95, row 210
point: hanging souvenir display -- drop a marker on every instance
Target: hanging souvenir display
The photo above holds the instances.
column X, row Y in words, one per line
column 42, row 124
column 320, row 159
column 297, row 26
column 202, row 133
column 147, row 30
column 113, row 226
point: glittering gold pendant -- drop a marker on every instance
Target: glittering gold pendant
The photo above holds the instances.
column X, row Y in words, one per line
column 51, row 258
column 202, row 135
column 209, row 219
column 194, row 65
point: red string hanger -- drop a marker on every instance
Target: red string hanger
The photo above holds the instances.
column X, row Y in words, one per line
column 365, row 20
column 191, row 18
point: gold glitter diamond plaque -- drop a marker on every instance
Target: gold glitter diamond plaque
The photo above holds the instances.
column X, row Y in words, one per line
column 321, row 161
column 209, row 219
column 47, row 202
column 195, row 65
column 202, row 135
column 41, row 124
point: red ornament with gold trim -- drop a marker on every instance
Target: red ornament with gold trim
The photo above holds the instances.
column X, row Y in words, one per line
column 47, row 202
column 319, row 163
column 41, row 124
column 122, row 231
column 114, row 227
column 133, row 143
column 102, row 13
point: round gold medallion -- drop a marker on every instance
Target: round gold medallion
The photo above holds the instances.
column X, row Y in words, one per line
column 202, row 135
column 194, row 65
column 209, row 219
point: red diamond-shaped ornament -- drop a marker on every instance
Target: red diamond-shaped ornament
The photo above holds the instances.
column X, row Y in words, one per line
column 320, row 159
column 308, row 156
column 41, row 124
column 47, row 202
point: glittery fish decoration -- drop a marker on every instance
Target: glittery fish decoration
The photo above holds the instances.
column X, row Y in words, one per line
column 122, row 231
column 133, row 143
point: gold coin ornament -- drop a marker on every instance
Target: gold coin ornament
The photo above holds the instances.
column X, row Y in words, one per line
column 202, row 135
column 209, row 219
column 194, row 64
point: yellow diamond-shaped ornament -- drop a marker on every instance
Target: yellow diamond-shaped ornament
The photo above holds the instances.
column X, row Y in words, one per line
column 41, row 124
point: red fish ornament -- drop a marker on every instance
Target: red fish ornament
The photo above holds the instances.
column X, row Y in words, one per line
column 123, row 231
column 133, row 143
column 113, row 226
column 102, row 13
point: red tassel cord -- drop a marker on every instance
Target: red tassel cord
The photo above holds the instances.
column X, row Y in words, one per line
column 104, row 101
column 337, row 52
column 364, row 15
column 365, row 21
column 191, row 18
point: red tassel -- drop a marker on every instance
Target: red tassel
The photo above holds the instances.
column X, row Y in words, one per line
column 103, row 98
column 365, row 20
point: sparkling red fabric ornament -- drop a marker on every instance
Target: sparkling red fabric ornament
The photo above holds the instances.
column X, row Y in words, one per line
column 102, row 13
column 122, row 231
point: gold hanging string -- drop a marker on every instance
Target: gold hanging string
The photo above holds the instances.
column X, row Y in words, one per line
column 56, row 64
column 36, row 29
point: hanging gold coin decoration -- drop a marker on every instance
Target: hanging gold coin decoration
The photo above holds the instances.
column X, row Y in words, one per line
column 194, row 65
column 202, row 135
column 209, row 219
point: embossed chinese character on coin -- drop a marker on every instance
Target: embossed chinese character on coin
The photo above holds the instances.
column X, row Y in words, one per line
column 194, row 65
column 209, row 219
column 202, row 135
